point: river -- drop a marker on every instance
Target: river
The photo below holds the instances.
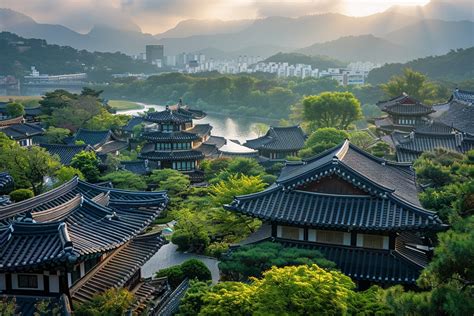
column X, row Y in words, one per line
column 238, row 127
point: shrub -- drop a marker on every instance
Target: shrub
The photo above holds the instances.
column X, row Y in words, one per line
column 217, row 249
column 195, row 269
column 113, row 302
column 182, row 239
column 174, row 274
column 21, row 194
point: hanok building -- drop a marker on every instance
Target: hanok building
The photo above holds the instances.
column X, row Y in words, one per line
column 65, row 152
column 103, row 142
column 404, row 114
column 451, row 128
column 359, row 211
column 173, row 140
column 77, row 241
column 21, row 132
column 279, row 142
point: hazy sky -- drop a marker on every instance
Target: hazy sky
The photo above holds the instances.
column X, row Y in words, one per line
column 154, row 16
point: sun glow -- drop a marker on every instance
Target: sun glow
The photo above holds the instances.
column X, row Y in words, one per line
column 367, row 7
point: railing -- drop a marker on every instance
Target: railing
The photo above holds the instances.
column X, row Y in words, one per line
column 171, row 305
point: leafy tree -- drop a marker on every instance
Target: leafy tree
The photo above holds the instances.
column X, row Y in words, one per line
column 174, row 274
column 332, row 109
column 409, row 303
column 253, row 260
column 170, row 180
column 113, row 302
column 191, row 231
column 15, row 109
column 361, row 139
column 321, row 140
column 212, row 167
column 105, row 120
column 88, row 163
column 260, row 129
column 229, row 298
column 381, row 149
column 122, row 179
column 193, row 269
column 28, row 166
column 193, row 299
column 55, row 100
column 56, row 135
column 66, row 173
column 413, row 83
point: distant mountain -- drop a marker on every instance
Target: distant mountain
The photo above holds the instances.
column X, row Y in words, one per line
column 455, row 66
column 18, row 54
column 124, row 38
column 192, row 27
column 320, row 62
column 359, row 48
column 439, row 9
column 434, row 37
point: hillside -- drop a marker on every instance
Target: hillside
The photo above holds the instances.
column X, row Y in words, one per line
column 19, row 54
column 100, row 38
column 359, row 48
column 204, row 27
column 320, row 62
column 455, row 66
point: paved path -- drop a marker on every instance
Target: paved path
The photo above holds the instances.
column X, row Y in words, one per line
column 167, row 256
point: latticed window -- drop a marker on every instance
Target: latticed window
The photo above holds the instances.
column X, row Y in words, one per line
column 28, row 281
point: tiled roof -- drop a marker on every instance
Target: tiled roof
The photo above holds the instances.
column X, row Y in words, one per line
column 118, row 267
column 68, row 231
column 331, row 211
column 135, row 166
column 172, row 155
column 200, row 129
column 404, row 105
column 6, row 182
column 112, row 147
column 12, row 121
column 411, row 146
column 134, row 121
column 93, row 138
column 219, row 141
column 33, row 111
column 290, row 138
column 65, row 152
column 168, row 116
column 380, row 266
column 22, row 131
column 69, row 190
column 460, row 116
column 207, row 149
column 347, row 160
column 169, row 136
column 433, row 127
column 464, row 95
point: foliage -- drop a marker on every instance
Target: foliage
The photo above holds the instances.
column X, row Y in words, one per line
column 415, row 84
column 331, row 109
column 15, row 109
column 21, row 194
column 239, row 165
column 105, row 120
column 7, row 306
column 123, row 179
column 409, row 303
column 293, row 290
column 185, row 240
column 56, row 135
column 28, row 166
column 193, row 299
column 192, row 269
column 453, row 66
column 113, row 302
column 66, row 173
column 170, row 180
column 88, row 163
column 260, row 129
column 47, row 308
column 381, row 149
column 361, row 139
column 252, row 260
column 321, row 140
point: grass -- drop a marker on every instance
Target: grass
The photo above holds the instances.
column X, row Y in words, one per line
column 121, row 105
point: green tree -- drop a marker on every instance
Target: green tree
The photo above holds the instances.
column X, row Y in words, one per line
column 332, row 109
column 105, row 120
column 413, row 83
column 193, row 299
column 88, row 163
column 15, row 109
column 28, row 166
column 170, row 180
column 66, row 173
column 113, row 302
column 122, row 179
column 8, row 306
column 321, row 140
column 252, row 260
column 361, row 139
column 56, row 135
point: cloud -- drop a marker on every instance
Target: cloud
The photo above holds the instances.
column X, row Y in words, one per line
column 297, row 8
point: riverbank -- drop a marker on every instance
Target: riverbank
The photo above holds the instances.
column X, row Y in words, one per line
column 123, row 105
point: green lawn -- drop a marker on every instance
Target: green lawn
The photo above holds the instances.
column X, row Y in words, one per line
column 121, row 105
column 27, row 101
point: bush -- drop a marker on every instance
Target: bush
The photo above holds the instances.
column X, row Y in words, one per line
column 21, row 194
column 182, row 239
column 174, row 274
column 217, row 249
column 191, row 269
column 195, row 269
column 113, row 302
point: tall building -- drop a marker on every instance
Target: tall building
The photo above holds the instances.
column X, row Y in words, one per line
column 155, row 53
